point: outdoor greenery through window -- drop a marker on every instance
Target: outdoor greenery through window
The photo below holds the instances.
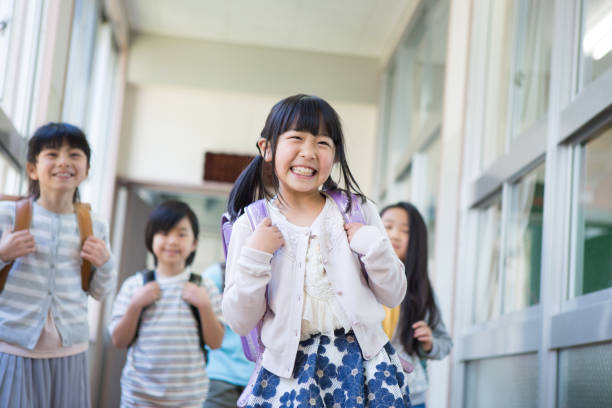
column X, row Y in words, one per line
column 592, row 226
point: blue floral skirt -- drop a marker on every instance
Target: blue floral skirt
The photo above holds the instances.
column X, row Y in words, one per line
column 331, row 373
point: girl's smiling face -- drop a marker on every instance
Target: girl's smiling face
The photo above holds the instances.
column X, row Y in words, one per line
column 302, row 162
column 59, row 169
column 397, row 225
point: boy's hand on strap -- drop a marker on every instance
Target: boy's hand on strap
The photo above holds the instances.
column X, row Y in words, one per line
column 351, row 229
column 94, row 250
column 144, row 296
column 266, row 237
column 16, row 244
column 195, row 295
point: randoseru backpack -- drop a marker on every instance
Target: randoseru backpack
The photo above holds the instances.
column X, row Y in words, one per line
column 23, row 219
column 251, row 344
column 149, row 276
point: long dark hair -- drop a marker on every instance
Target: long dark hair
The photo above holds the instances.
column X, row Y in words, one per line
column 419, row 301
column 302, row 113
column 54, row 135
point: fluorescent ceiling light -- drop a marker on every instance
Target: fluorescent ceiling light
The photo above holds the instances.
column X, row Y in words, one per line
column 597, row 41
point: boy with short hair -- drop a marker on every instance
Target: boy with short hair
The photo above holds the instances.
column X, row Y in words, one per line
column 165, row 365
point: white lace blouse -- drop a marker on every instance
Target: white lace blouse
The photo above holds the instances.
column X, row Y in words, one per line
column 322, row 312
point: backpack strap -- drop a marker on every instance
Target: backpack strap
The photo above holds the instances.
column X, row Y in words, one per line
column 341, row 199
column 23, row 219
column 148, row 275
column 354, row 215
column 256, row 212
column 83, row 213
column 197, row 279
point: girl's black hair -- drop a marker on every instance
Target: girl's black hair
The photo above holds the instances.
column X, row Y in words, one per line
column 302, row 113
column 419, row 301
column 164, row 217
column 54, row 135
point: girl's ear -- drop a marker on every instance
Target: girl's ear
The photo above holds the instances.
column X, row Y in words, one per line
column 264, row 148
column 194, row 246
column 31, row 170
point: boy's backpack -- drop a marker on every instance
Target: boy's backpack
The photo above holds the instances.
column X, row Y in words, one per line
column 148, row 276
column 23, row 219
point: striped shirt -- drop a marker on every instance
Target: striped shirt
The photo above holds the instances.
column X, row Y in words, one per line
column 165, row 365
column 50, row 279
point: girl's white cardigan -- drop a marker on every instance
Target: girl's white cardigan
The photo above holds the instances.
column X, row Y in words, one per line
column 250, row 272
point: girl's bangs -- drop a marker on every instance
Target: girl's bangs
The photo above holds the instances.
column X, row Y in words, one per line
column 314, row 116
column 54, row 137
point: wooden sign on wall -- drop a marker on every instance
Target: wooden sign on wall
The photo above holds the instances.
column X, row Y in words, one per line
column 224, row 168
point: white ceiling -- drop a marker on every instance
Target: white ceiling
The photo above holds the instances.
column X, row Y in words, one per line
column 348, row 27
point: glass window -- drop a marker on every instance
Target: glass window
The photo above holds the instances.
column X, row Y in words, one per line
column 596, row 44
column 585, row 375
column 523, row 244
column 401, row 190
column 592, row 226
column 427, row 45
column 432, row 164
column 396, row 128
column 486, row 305
column 502, row 382
column 13, row 180
column 6, row 20
column 517, row 73
column 18, row 95
column 497, row 78
column 531, row 77
column 82, row 46
column 416, row 83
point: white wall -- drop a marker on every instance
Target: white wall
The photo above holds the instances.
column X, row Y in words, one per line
column 187, row 97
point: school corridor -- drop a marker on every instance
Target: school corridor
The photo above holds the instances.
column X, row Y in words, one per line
column 493, row 117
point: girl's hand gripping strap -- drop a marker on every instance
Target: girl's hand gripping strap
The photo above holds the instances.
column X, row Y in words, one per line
column 23, row 218
column 355, row 215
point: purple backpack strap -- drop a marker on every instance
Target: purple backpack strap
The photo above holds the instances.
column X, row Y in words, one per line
column 341, row 200
column 354, row 215
column 251, row 343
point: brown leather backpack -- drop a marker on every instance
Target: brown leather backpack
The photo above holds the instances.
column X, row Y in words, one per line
column 23, row 219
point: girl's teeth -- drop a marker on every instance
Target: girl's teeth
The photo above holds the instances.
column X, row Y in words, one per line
column 303, row 171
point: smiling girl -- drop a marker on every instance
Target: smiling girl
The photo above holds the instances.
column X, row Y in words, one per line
column 44, row 333
column 298, row 272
